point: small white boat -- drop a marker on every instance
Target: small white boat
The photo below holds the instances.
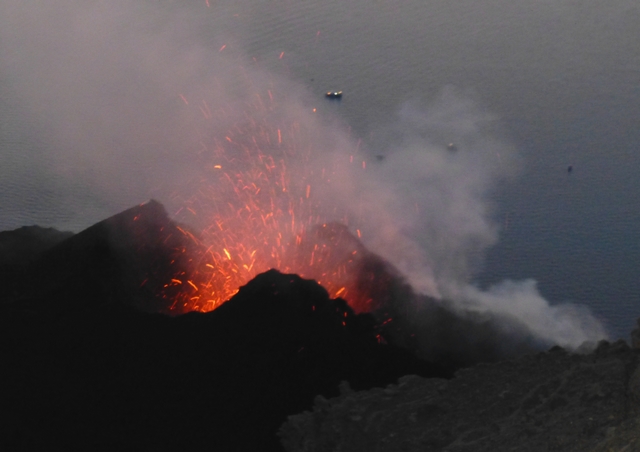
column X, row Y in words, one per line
column 334, row 94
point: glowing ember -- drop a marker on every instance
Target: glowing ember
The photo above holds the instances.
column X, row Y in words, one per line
column 260, row 214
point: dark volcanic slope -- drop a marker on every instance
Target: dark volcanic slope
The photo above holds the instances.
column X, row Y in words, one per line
column 548, row 401
column 127, row 257
column 20, row 247
column 111, row 377
column 131, row 256
column 90, row 363
column 23, row 245
column 84, row 369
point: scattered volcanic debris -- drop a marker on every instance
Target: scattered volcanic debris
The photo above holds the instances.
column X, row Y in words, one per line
column 554, row 400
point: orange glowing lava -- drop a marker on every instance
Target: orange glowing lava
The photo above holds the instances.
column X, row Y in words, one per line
column 257, row 201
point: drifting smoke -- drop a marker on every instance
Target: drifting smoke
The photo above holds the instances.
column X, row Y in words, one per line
column 128, row 99
column 426, row 207
column 103, row 87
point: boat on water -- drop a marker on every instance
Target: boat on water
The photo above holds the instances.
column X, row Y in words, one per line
column 334, row 94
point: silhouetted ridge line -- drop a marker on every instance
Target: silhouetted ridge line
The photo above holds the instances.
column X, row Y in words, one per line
column 225, row 379
column 125, row 258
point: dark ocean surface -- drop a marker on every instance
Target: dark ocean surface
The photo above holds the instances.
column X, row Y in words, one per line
column 562, row 77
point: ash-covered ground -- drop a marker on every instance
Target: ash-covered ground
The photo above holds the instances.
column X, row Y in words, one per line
column 554, row 400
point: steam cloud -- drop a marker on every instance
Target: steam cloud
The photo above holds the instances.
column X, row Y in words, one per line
column 122, row 98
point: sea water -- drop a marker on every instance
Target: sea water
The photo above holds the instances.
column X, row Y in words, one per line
column 562, row 77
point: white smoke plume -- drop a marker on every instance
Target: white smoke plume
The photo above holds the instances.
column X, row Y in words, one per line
column 122, row 98
column 426, row 205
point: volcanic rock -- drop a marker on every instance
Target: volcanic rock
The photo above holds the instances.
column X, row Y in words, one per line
column 92, row 361
column 435, row 330
column 635, row 336
column 131, row 257
column 87, row 366
column 23, row 245
column 554, row 400
column 112, row 377
column 128, row 257
column 20, row 247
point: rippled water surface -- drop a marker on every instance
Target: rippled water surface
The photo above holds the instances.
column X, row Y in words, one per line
column 562, row 77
